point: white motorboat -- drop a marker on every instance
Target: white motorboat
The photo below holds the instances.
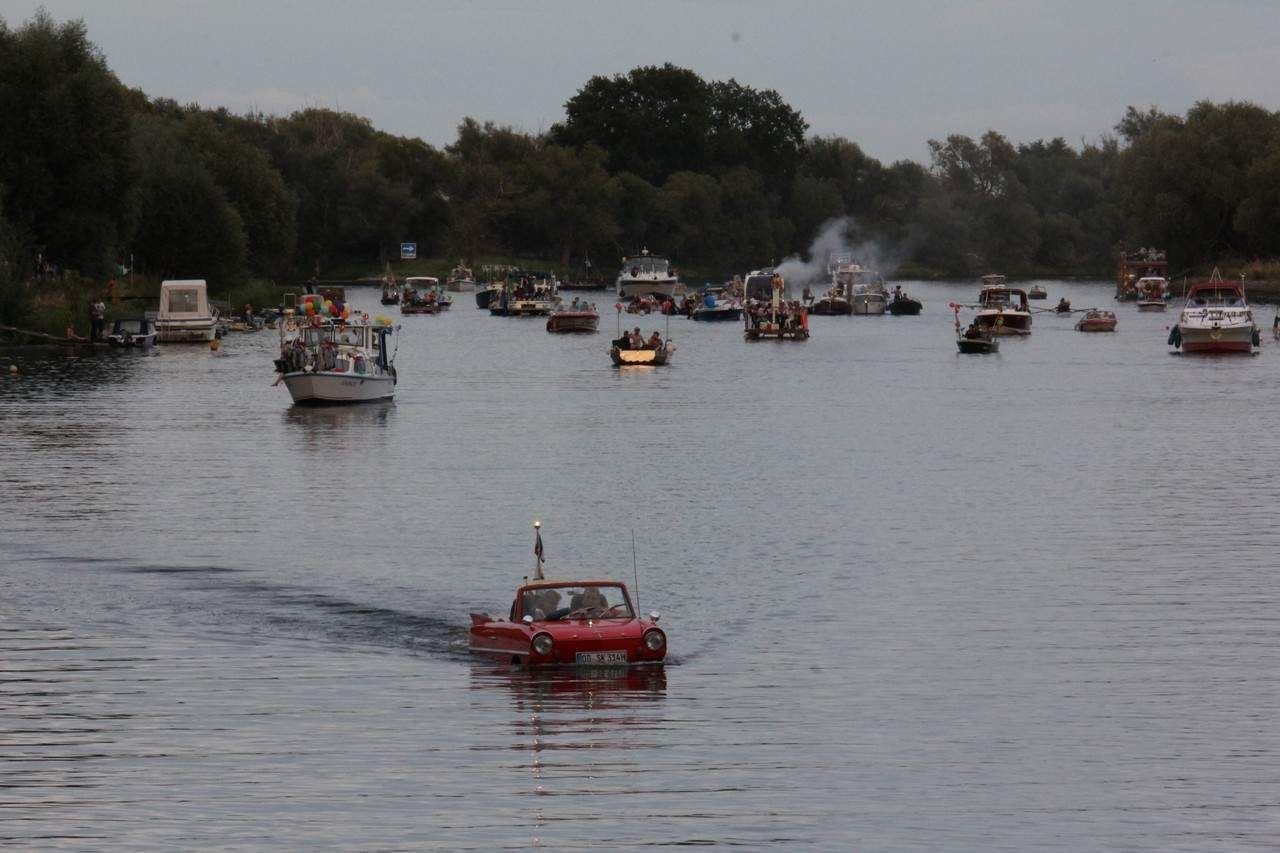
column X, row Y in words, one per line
column 869, row 298
column 1002, row 310
column 645, row 274
column 460, row 278
column 862, row 287
column 334, row 362
column 185, row 314
column 1216, row 319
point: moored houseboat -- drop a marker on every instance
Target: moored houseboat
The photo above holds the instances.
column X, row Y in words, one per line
column 185, row 315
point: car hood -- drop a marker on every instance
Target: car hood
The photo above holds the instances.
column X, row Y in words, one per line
column 600, row 629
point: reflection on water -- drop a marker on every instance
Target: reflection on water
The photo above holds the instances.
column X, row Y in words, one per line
column 918, row 601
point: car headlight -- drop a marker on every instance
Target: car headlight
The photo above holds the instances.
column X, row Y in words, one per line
column 542, row 644
column 654, row 639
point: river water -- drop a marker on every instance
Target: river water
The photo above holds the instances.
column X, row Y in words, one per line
column 916, row 600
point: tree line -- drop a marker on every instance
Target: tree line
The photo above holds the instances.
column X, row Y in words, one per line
column 95, row 176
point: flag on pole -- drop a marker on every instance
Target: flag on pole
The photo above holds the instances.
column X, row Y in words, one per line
column 537, row 552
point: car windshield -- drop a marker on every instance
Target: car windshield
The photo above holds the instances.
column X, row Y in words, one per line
column 576, row 601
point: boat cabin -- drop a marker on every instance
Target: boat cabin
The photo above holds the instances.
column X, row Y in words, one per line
column 645, row 265
column 1152, row 287
column 759, row 285
column 184, row 300
column 1003, row 298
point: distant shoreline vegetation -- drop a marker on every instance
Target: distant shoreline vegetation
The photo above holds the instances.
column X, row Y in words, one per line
column 97, row 178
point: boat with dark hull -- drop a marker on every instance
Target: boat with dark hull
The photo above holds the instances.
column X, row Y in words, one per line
column 902, row 305
column 974, row 340
column 834, row 303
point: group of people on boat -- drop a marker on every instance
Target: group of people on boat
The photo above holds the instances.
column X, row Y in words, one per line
column 634, row 340
column 581, row 305
column 413, row 297
column 789, row 315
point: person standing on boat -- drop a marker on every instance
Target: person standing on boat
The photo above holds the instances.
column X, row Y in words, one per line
column 97, row 319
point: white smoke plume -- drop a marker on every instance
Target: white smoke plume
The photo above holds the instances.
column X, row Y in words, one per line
column 838, row 236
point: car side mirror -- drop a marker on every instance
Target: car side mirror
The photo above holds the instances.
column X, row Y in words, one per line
column 655, row 615
column 528, row 620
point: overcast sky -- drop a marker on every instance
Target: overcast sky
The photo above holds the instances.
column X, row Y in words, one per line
column 887, row 75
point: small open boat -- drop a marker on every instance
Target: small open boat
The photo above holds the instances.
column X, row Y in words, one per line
column 132, row 332
column 715, row 308
column 902, row 305
column 1097, row 320
column 1037, row 292
column 1063, row 306
column 583, row 319
column 976, row 339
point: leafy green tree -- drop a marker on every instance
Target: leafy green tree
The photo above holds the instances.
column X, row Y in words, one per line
column 64, row 147
column 688, row 208
column 635, row 212
column 653, row 121
column 754, row 129
column 252, row 185
column 569, row 203
column 487, row 167
column 183, row 224
column 15, row 261
column 1181, row 182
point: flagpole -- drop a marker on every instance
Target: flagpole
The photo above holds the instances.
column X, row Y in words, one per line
column 537, row 550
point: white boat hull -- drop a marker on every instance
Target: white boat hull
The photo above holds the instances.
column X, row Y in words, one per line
column 185, row 331
column 1201, row 339
column 631, row 287
column 333, row 388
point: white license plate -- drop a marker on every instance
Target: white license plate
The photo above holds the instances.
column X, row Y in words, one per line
column 596, row 658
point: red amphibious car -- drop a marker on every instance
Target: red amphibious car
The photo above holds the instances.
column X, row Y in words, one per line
column 568, row 623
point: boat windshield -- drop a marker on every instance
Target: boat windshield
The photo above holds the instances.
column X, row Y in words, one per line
column 645, row 265
column 1217, row 297
column 184, row 301
column 576, row 601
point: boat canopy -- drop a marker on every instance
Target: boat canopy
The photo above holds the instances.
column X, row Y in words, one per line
column 422, row 281
column 186, row 299
column 1216, row 295
column 1003, row 297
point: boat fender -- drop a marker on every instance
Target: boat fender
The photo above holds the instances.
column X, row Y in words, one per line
column 1257, row 338
column 1175, row 337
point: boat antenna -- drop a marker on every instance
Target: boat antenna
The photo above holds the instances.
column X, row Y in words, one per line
column 635, row 568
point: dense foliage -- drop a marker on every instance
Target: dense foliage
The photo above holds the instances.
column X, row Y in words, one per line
column 719, row 175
